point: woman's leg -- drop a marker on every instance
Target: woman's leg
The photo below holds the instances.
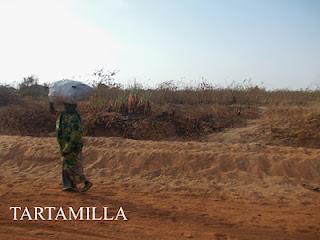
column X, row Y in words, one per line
column 67, row 176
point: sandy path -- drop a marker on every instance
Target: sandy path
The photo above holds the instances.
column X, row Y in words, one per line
column 169, row 190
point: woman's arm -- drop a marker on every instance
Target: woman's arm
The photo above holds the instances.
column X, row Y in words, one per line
column 52, row 110
column 75, row 138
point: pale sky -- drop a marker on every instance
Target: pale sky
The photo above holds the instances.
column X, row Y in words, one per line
column 276, row 42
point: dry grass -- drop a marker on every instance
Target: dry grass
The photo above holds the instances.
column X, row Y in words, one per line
column 291, row 126
column 252, row 95
column 167, row 112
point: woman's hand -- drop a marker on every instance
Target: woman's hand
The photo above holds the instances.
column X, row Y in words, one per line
column 51, row 108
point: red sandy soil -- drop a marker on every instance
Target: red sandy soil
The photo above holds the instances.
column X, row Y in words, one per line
column 169, row 190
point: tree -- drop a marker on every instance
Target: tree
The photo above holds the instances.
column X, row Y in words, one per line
column 29, row 81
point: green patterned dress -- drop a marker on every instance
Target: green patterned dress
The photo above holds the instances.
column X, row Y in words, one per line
column 69, row 136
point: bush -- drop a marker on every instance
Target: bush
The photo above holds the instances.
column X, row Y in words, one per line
column 30, row 87
column 8, row 95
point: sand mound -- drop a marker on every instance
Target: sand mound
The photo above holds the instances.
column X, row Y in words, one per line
column 123, row 158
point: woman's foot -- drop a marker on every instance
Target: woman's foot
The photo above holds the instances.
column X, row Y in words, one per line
column 87, row 186
column 69, row 189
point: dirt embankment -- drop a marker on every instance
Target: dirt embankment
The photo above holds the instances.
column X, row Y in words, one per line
column 162, row 123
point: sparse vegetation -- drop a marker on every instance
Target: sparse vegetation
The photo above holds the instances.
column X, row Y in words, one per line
column 168, row 112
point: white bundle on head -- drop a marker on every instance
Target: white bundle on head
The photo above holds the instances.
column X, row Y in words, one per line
column 68, row 91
